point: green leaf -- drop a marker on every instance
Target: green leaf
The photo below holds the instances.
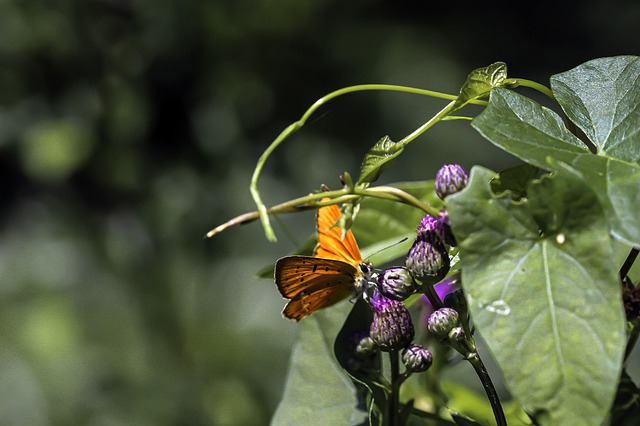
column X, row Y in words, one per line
column 616, row 184
column 480, row 82
column 514, row 180
column 602, row 97
column 317, row 391
column 526, row 129
column 541, row 281
column 379, row 158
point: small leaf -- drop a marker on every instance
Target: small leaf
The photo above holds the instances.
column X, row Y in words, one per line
column 317, row 391
column 379, row 158
column 526, row 129
column 602, row 97
column 540, row 277
column 515, row 180
column 480, row 82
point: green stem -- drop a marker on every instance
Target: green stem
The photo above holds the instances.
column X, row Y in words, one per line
column 490, row 390
column 292, row 128
column 628, row 263
column 396, row 381
column 633, row 339
column 515, row 82
column 449, row 108
column 312, row 201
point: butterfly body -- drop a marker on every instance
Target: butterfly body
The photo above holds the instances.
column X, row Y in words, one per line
column 335, row 271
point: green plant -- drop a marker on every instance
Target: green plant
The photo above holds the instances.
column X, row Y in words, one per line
column 542, row 252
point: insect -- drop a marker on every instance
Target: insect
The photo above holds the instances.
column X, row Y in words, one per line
column 334, row 272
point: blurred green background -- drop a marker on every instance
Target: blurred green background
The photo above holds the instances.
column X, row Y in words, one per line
column 129, row 128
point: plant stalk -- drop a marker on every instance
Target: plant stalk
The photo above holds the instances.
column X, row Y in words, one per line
column 490, row 390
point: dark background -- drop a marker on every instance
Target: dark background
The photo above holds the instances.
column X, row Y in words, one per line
column 130, row 128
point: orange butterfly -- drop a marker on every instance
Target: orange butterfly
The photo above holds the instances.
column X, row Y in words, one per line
column 335, row 272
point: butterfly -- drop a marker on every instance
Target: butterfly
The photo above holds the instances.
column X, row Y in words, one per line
column 334, row 272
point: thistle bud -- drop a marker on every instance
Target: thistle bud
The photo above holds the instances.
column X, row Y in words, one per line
column 451, row 178
column 397, row 283
column 455, row 300
column 362, row 345
column 392, row 328
column 417, row 358
column 428, row 259
column 458, row 340
column 443, row 228
column 442, row 321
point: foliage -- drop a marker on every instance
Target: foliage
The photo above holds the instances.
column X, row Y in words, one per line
column 542, row 252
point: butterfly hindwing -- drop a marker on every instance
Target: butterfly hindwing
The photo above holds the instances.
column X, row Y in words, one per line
column 295, row 274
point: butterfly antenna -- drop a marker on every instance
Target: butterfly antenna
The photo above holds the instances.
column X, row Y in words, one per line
column 388, row 247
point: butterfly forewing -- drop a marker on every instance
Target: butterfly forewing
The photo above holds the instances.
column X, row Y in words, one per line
column 331, row 245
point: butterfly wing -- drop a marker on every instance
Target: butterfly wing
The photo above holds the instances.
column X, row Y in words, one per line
column 331, row 245
column 312, row 283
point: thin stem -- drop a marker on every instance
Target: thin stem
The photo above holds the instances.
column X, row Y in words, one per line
column 396, row 381
column 312, row 201
column 628, row 263
column 451, row 106
column 515, row 82
column 490, row 390
column 292, row 128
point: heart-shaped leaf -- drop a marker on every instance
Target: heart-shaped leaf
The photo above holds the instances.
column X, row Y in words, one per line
column 540, row 277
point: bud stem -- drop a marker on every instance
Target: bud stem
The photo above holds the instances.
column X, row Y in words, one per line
column 396, row 381
column 482, row 373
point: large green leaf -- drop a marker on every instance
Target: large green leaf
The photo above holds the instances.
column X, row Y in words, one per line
column 602, row 97
column 616, row 183
column 540, row 277
column 526, row 129
column 317, row 391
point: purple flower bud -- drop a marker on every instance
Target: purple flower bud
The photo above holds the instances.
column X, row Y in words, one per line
column 443, row 228
column 417, row 358
column 392, row 328
column 428, row 259
column 428, row 223
column 451, row 178
column 397, row 283
column 442, row 321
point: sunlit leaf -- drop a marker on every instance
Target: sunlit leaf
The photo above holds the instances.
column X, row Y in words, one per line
column 481, row 81
column 543, row 292
column 602, row 97
column 380, row 157
column 526, row 129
